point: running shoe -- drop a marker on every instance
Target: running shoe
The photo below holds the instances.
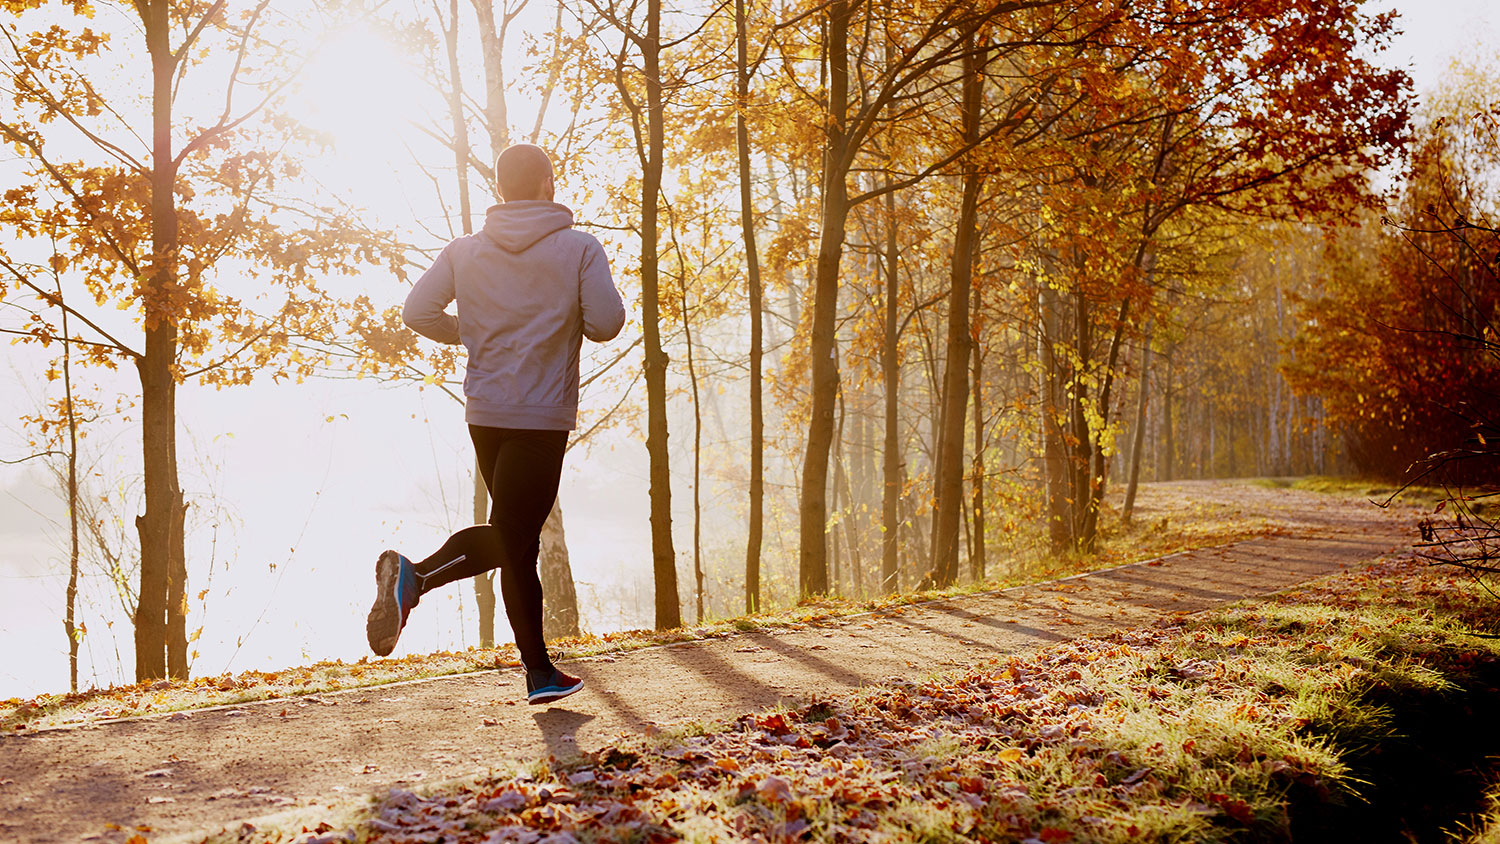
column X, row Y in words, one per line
column 545, row 685
column 396, row 592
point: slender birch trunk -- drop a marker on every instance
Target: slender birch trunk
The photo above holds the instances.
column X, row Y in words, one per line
column 752, row 265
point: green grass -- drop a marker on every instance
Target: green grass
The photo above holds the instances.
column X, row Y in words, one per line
column 1376, row 490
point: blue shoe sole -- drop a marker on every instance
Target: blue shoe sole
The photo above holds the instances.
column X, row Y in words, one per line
column 552, row 693
column 383, row 627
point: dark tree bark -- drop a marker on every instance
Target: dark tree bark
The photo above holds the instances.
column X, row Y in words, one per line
column 977, row 562
column 1138, row 434
column 1166, row 468
column 663, row 554
column 890, row 366
column 752, row 267
column 1054, row 457
column 812, row 568
column 1096, row 467
column 160, row 526
column 949, row 480
column 559, row 595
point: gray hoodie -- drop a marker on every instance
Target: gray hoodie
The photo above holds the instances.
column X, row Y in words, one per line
column 529, row 289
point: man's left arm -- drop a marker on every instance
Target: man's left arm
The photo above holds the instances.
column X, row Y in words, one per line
column 425, row 310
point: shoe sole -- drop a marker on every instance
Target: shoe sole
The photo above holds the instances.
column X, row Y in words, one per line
column 550, row 695
column 383, row 627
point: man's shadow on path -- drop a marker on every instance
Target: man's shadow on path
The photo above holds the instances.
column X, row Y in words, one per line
column 559, row 729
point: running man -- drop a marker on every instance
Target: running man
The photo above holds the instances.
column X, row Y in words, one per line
column 529, row 289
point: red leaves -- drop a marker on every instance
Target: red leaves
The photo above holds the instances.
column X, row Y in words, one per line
column 775, row 723
column 1235, row 808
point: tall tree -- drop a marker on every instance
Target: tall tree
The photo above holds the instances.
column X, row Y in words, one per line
column 757, row 490
column 153, row 211
column 648, row 122
column 949, row 479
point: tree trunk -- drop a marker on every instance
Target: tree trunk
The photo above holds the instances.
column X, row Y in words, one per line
column 849, row 506
column 1138, row 435
column 484, row 584
column 1054, row 457
column 559, row 595
column 864, row 494
column 158, row 384
column 1078, row 444
column 663, row 555
column 890, row 365
column 177, row 606
column 697, row 454
column 949, row 477
column 70, row 618
column 1096, row 467
column 977, row 545
column 813, row 508
column 492, row 45
column 1167, row 463
column 752, row 259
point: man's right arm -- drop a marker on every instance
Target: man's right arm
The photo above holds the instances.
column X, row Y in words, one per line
column 425, row 311
column 603, row 312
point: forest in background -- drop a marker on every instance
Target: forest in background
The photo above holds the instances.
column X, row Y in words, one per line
column 920, row 284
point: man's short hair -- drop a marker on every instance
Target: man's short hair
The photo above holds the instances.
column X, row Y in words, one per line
column 521, row 171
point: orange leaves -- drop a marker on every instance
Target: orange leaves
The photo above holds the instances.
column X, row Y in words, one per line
column 774, row 723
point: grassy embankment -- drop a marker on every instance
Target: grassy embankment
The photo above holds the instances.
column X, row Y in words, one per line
column 1358, row 708
column 1196, row 526
column 1374, row 490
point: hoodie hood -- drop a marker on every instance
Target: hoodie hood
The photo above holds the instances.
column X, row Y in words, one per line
column 519, row 225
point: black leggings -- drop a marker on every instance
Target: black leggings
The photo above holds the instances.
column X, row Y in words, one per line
column 521, row 469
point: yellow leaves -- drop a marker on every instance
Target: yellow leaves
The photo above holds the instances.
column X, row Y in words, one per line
column 1010, row 755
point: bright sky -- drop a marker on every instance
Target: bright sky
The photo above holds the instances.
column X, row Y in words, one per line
column 1437, row 31
column 311, row 503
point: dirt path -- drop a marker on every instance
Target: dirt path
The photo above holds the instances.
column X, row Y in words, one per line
column 191, row 774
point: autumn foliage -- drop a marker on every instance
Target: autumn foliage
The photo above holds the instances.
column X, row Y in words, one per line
column 1400, row 343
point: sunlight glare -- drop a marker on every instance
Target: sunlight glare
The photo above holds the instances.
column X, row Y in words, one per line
column 359, row 87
